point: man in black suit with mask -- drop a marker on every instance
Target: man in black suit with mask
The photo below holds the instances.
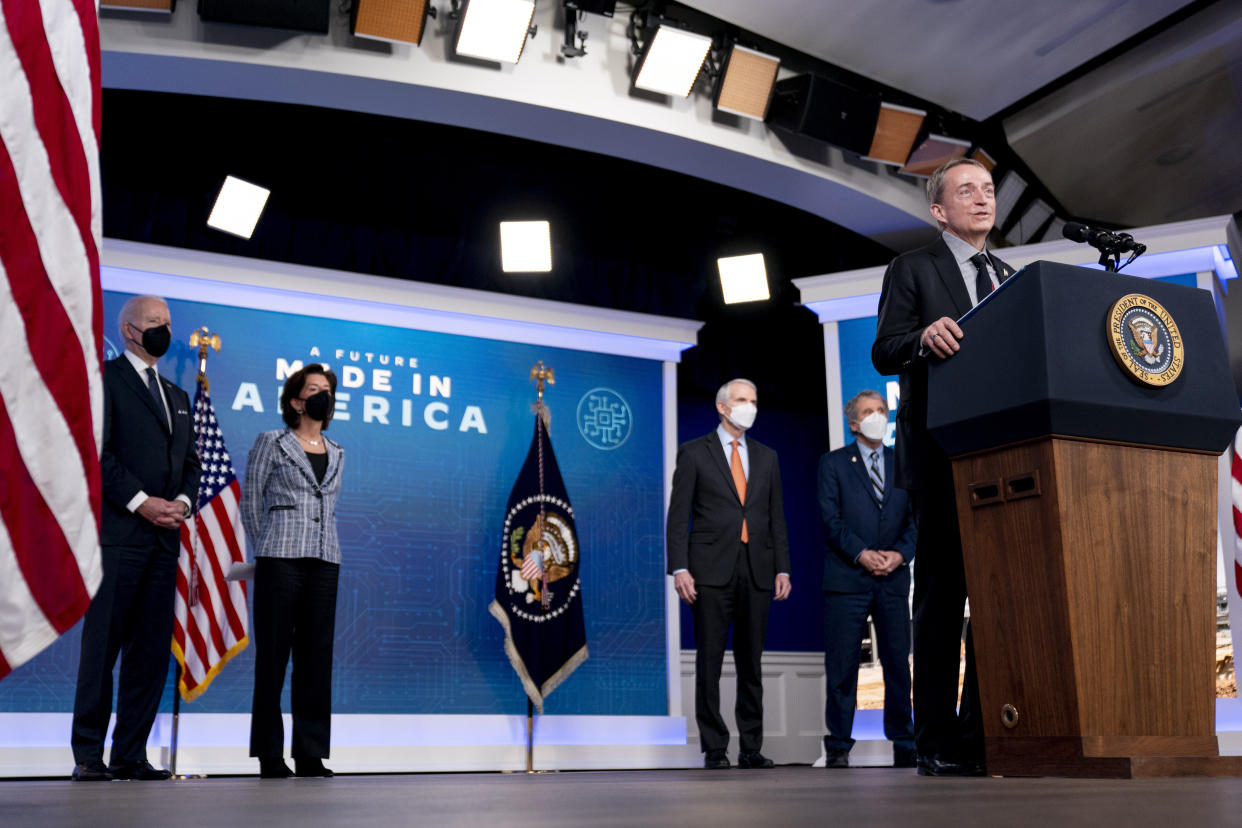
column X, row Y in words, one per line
column 150, row 473
column 728, row 553
column 924, row 291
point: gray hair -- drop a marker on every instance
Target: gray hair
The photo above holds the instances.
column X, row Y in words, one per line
column 851, row 407
column 129, row 311
column 722, row 396
column 935, row 184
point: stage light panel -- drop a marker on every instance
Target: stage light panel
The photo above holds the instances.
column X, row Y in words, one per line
column 981, row 155
column 895, row 133
column 495, row 29
column 393, row 21
column 238, row 207
column 525, row 246
column 1024, row 232
column 743, row 278
column 159, row 6
column 934, row 151
column 672, row 61
column 747, row 84
column 1008, row 191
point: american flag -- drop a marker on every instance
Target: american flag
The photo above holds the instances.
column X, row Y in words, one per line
column 1237, row 510
column 51, row 322
column 211, row 623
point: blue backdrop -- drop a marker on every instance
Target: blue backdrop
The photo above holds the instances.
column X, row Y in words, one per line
column 435, row 428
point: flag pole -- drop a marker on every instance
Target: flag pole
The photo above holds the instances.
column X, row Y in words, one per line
column 530, row 736
column 172, row 764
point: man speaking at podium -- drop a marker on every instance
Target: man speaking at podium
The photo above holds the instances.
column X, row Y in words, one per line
column 924, row 291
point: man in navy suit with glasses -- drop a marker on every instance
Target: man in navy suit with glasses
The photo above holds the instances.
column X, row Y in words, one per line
column 870, row 544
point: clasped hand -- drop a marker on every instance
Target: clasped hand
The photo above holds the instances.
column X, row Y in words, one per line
column 880, row 562
column 166, row 514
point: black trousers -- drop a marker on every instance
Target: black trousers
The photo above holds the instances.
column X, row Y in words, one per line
column 745, row 606
column 845, row 624
column 294, row 614
column 940, row 727
column 131, row 616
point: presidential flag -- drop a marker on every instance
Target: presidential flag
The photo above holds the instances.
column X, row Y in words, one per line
column 538, row 595
column 211, row 624
column 51, row 322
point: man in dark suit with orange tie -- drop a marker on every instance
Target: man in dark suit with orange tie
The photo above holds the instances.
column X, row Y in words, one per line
column 150, row 473
column 870, row 544
column 728, row 553
column 924, row 292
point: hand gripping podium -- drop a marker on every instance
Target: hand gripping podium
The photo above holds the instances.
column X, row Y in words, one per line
column 1087, row 499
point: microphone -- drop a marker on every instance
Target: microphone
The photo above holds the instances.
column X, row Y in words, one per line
column 1111, row 245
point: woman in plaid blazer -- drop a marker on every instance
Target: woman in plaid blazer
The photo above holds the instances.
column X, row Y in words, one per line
column 289, row 494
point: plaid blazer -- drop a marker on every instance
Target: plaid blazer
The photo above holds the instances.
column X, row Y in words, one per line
column 286, row 513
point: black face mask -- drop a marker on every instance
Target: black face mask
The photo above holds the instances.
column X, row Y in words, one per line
column 318, row 405
column 155, row 341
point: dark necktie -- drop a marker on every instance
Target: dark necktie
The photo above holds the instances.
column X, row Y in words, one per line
column 983, row 281
column 877, row 482
column 153, row 385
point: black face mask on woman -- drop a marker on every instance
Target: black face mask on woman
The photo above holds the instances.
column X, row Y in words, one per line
column 318, row 405
column 155, row 341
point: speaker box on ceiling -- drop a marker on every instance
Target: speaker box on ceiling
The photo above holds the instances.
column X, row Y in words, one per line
column 825, row 110
column 305, row 15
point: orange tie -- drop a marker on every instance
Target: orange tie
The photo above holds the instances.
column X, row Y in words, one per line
column 739, row 480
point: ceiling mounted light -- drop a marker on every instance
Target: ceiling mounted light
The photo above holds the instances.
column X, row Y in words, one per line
column 933, row 152
column 1008, row 192
column 981, row 155
column 525, row 246
column 895, row 133
column 238, row 207
column 164, row 6
column 393, row 21
column 746, row 85
column 494, row 30
column 743, row 278
column 671, row 62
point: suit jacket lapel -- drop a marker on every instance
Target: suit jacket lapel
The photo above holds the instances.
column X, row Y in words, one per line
column 289, row 445
column 951, row 276
column 135, row 383
column 1003, row 271
column 712, row 443
column 334, row 461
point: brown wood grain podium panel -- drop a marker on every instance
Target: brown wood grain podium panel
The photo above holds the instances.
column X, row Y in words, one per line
column 1091, row 578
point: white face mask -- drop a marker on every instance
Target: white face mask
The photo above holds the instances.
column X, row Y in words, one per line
column 743, row 415
column 873, row 426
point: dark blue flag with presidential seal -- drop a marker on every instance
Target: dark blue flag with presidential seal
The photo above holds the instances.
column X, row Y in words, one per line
column 538, row 595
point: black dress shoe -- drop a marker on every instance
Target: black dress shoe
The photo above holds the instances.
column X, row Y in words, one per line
column 752, row 760
column 904, row 757
column 311, row 767
column 936, row 766
column 274, row 769
column 142, row 771
column 716, row 760
column 94, row 771
column 836, row 758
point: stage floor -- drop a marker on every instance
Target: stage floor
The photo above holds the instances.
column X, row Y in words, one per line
column 784, row 796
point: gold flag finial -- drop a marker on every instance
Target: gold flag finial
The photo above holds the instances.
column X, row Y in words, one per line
column 204, row 339
column 538, row 374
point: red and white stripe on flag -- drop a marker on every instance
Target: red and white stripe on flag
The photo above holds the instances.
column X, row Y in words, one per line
column 211, row 623
column 532, row 565
column 1237, row 510
column 51, row 321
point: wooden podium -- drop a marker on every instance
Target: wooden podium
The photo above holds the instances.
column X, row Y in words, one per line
column 1087, row 502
